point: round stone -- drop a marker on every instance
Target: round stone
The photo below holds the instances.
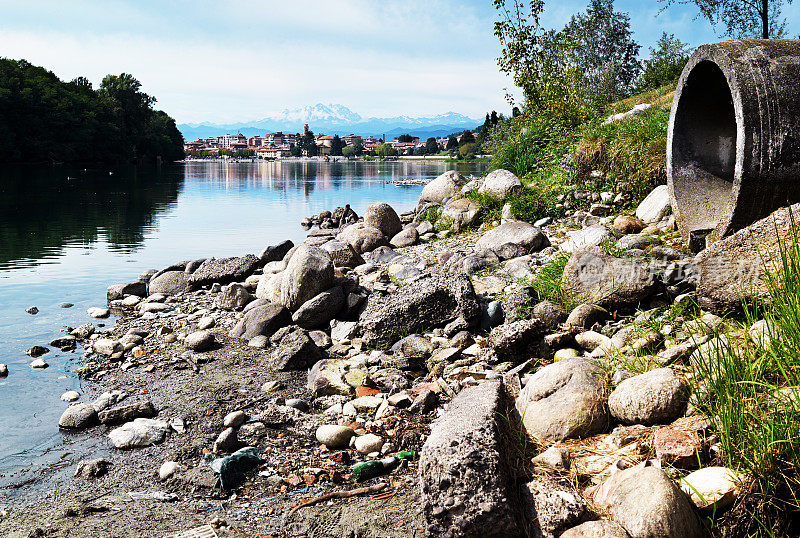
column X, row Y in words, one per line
column 70, row 396
column 199, row 341
column 369, row 443
column 333, row 436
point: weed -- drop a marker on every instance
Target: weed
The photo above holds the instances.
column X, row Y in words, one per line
column 432, row 215
column 548, row 282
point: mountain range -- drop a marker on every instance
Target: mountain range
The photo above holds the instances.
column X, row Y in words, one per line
column 333, row 119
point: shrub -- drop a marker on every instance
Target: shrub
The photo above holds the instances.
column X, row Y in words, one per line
column 532, row 148
column 534, row 202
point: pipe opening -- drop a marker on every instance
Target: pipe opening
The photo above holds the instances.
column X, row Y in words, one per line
column 704, row 148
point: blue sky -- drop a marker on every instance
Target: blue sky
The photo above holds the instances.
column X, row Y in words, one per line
column 242, row 60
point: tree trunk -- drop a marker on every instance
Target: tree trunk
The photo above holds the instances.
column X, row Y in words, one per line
column 765, row 19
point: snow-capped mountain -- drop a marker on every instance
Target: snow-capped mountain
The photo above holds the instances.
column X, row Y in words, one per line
column 336, row 119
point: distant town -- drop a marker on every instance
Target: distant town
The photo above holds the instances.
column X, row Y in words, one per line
column 281, row 145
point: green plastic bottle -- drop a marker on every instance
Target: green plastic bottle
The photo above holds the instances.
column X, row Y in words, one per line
column 371, row 469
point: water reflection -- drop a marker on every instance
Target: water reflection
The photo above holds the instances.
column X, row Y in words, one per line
column 47, row 208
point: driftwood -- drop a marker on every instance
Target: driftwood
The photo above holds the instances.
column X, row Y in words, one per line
column 337, row 495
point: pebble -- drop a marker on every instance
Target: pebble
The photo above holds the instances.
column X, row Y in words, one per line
column 369, row 443
column 3, row 370
column 333, row 436
column 78, row 416
column 32, row 310
column 65, row 305
column 39, row 363
column 298, row 404
column 168, row 468
column 70, row 396
column 271, row 386
column 260, row 341
column 206, row 323
column 98, row 312
column 199, row 341
column 235, row 419
column 37, row 351
column 555, row 457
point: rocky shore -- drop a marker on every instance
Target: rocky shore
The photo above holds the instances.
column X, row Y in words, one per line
column 236, row 396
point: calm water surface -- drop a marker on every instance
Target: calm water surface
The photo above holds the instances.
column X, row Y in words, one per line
column 66, row 234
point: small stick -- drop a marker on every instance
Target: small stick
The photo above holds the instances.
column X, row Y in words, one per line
column 338, row 495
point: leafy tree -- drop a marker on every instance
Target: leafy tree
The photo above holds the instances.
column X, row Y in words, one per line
column 540, row 62
column 467, row 138
column 419, row 150
column 358, row 147
column 405, row 138
column 452, row 142
column 493, row 118
column 349, row 151
column 604, row 52
column 295, row 151
column 742, row 18
column 665, row 64
column 308, row 144
column 336, row 145
column 385, row 150
column 431, row 146
column 467, row 151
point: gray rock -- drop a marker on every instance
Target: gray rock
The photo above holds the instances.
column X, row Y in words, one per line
column 523, row 234
column 589, row 236
column 554, row 457
column 602, row 528
column 139, row 433
column 550, row 313
column 425, row 227
column 333, row 436
column 233, row 297
column 499, row 184
column 126, row 413
column 223, row 270
column 309, row 272
column 320, row 338
column 275, row 253
column 381, row 216
column 262, row 320
column 584, row 316
column 319, row 310
column 206, row 322
column 199, row 340
column 227, row 441
column 430, row 302
column 37, row 351
column 383, row 254
column 591, row 340
column 64, row 343
column 655, row 397
column 425, row 402
column 463, row 469
column 654, row 206
column 269, row 287
column 551, row 507
column 564, row 400
column 169, row 283
column 343, row 330
column 3, row 370
column 98, row 312
column 518, row 341
column 443, row 187
column 641, row 242
column 598, row 278
column 646, row 503
column 106, row 346
column 342, row 254
column 405, row 238
column 296, row 351
column 326, row 378
column 368, row 443
column 119, row 291
column 461, row 213
column 92, row 468
column 362, row 237
column 259, row 342
column 32, row 310
column 78, row 416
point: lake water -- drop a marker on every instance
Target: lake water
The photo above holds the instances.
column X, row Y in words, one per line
column 67, row 234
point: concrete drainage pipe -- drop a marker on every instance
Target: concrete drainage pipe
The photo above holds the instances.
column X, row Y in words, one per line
column 733, row 145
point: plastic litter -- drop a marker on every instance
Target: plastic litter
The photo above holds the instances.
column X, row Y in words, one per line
column 371, row 469
column 204, row 531
column 231, row 469
column 152, row 496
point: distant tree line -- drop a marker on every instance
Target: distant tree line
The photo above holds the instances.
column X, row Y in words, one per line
column 45, row 119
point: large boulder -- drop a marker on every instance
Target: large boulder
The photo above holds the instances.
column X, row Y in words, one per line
column 593, row 276
column 342, row 254
column 362, row 237
column 585, row 237
column 320, row 309
column 552, row 506
column 519, row 233
column 463, row 469
column 647, row 504
column 295, row 351
column 169, row 283
column 233, row 297
column 461, row 213
column 381, row 216
column 499, row 184
column 309, row 272
column 564, row 400
column 275, row 253
column 654, row 206
column 262, row 320
column 443, row 187
column 119, row 291
column 430, row 302
column 269, row 287
column 223, row 270
column 732, row 269
column 405, row 238
column 655, row 397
